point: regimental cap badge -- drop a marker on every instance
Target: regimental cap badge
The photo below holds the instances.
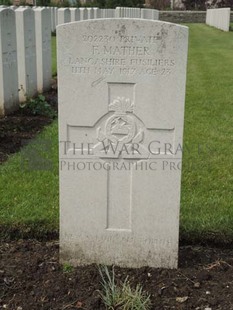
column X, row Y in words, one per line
column 121, row 105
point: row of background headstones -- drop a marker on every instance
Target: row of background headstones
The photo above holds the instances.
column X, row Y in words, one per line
column 219, row 18
column 25, row 55
column 25, row 34
column 66, row 15
column 25, row 50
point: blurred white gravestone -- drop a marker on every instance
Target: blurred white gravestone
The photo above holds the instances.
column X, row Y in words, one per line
column 63, row 16
column 108, row 13
column 121, row 86
column 53, row 22
column 90, row 13
column 149, row 14
column 128, row 12
column 74, row 14
column 43, row 48
column 8, row 62
column 97, row 13
column 219, row 18
column 26, row 52
column 83, row 13
column 55, row 17
column 137, row 13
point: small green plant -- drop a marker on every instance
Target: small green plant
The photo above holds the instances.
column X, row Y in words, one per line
column 122, row 297
column 111, row 295
column 38, row 106
column 136, row 299
column 67, row 268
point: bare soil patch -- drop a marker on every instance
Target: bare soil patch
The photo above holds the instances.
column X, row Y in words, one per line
column 32, row 278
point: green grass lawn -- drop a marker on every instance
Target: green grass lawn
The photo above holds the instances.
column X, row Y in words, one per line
column 54, row 56
column 207, row 178
column 29, row 200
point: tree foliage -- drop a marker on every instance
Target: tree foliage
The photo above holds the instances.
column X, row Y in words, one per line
column 5, row 2
column 206, row 4
column 159, row 4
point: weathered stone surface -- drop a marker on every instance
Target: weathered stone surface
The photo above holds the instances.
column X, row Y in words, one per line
column 121, row 86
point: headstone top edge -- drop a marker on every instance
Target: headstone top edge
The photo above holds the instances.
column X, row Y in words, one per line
column 100, row 20
column 40, row 9
column 23, row 9
column 6, row 9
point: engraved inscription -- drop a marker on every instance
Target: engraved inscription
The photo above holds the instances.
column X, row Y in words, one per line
column 120, row 127
column 121, row 54
column 122, row 39
column 120, row 50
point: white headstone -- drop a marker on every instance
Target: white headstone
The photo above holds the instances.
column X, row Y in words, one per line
column 109, row 13
column 63, row 16
column 119, row 12
column 74, row 14
column 149, row 14
column 56, row 17
column 90, row 13
column 156, row 14
column 26, row 52
column 53, row 22
column 128, row 12
column 43, row 48
column 97, row 13
column 136, row 13
column 121, row 86
column 8, row 62
column 83, row 13
column 102, row 13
